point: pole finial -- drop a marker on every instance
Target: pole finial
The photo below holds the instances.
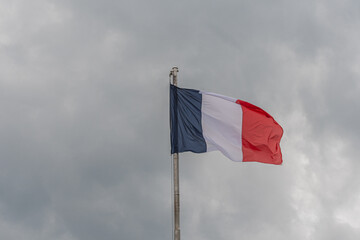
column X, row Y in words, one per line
column 173, row 73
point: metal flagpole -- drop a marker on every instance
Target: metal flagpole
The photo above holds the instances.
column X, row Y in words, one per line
column 173, row 73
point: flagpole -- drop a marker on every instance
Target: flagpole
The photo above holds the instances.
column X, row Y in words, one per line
column 173, row 73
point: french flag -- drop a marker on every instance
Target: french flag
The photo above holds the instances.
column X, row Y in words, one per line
column 204, row 122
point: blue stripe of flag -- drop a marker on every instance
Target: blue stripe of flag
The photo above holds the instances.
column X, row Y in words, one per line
column 185, row 121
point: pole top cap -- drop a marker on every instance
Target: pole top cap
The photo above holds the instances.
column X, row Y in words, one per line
column 174, row 71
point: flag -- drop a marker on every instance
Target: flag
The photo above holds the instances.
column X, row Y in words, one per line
column 203, row 122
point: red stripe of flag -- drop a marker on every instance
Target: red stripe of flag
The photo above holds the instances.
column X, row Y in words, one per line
column 261, row 135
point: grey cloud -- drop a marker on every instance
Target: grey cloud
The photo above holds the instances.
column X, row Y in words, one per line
column 84, row 119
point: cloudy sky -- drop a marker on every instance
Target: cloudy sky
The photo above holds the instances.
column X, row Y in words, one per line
column 84, row 122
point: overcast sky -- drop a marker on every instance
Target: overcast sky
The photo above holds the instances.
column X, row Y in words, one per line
column 84, row 122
